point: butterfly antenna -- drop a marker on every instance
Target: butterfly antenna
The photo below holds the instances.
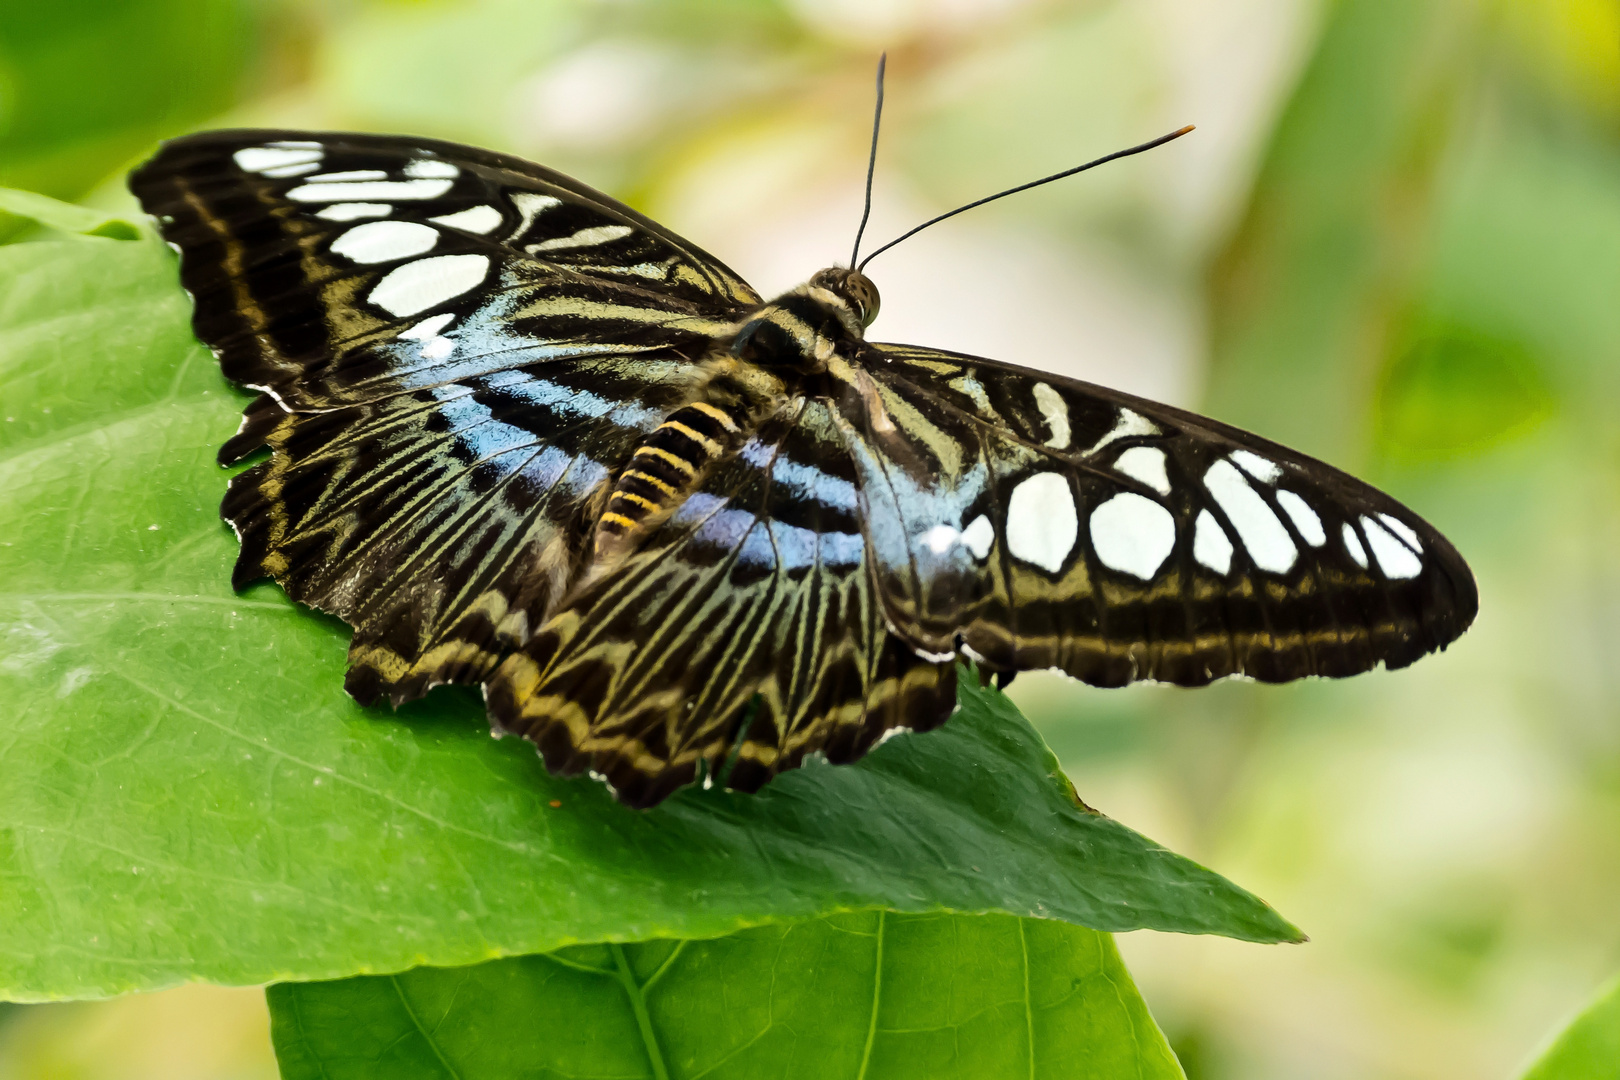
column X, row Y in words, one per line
column 871, row 161
column 1160, row 141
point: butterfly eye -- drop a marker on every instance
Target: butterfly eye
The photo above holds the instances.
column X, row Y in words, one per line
column 865, row 296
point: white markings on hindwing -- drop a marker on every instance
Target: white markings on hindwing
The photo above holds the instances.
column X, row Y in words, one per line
column 1211, row 546
column 431, row 168
column 304, row 157
column 1395, row 558
column 351, row 211
column 529, row 205
column 1306, row 523
column 474, row 219
column 429, row 331
column 596, row 234
column 1145, row 463
column 1055, row 411
column 1262, row 469
column 1129, row 423
column 1133, row 534
column 978, row 536
column 385, row 241
column 1262, row 533
column 1352, row 544
column 370, row 189
column 1042, row 524
column 419, row 285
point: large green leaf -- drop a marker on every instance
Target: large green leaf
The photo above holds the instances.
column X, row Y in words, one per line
column 186, row 792
column 867, row 994
column 1589, row 1049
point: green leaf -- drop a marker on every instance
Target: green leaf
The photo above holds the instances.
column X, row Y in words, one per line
column 27, row 216
column 187, row 793
column 867, row 994
column 1589, row 1049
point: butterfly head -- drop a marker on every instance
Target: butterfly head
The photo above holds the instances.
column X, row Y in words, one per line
column 852, row 287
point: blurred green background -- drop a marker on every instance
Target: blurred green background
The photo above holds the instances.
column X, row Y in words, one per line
column 1393, row 242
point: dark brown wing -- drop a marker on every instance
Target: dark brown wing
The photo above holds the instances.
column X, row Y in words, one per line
column 744, row 629
column 1040, row 522
column 454, row 346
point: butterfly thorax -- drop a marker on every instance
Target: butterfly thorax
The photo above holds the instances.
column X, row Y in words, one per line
column 803, row 328
column 776, row 345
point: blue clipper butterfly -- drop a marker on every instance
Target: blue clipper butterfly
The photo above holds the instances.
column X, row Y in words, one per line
column 524, row 437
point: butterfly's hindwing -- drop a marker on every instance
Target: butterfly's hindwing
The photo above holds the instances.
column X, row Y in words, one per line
column 755, row 602
column 1042, row 522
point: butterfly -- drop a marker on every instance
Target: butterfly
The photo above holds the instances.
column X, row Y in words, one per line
column 523, row 437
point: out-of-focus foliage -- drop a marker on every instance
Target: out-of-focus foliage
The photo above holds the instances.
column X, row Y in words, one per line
column 868, row 994
column 85, row 85
column 1394, row 240
column 1589, row 1049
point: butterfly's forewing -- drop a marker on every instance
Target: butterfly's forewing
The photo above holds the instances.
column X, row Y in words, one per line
column 1042, row 522
column 454, row 346
column 744, row 628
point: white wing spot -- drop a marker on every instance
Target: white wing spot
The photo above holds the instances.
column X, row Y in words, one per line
column 369, row 189
column 1129, row 423
column 1133, row 534
column 529, row 206
column 438, row 348
column 1145, row 463
column 1306, row 523
column 1262, row 469
column 419, row 285
column 1402, row 530
column 1056, row 413
column 353, row 174
column 385, row 241
column 940, row 538
column 1395, row 559
column 429, row 168
column 349, row 211
column 429, row 327
column 1352, row 544
column 596, row 234
column 290, row 170
column 1211, row 545
column 260, row 158
column 474, row 219
column 1263, row 535
column 1042, row 525
column 978, row 536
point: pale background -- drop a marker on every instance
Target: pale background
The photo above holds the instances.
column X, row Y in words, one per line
column 1394, row 240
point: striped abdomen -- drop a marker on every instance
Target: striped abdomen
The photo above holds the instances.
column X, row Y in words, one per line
column 664, row 470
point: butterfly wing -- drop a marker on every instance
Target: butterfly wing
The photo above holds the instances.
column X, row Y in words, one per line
column 1040, row 522
column 743, row 632
column 453, row 346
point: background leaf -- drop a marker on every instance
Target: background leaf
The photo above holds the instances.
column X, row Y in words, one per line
column 186, row 792
column 1589, row 1049
column 867, row 994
